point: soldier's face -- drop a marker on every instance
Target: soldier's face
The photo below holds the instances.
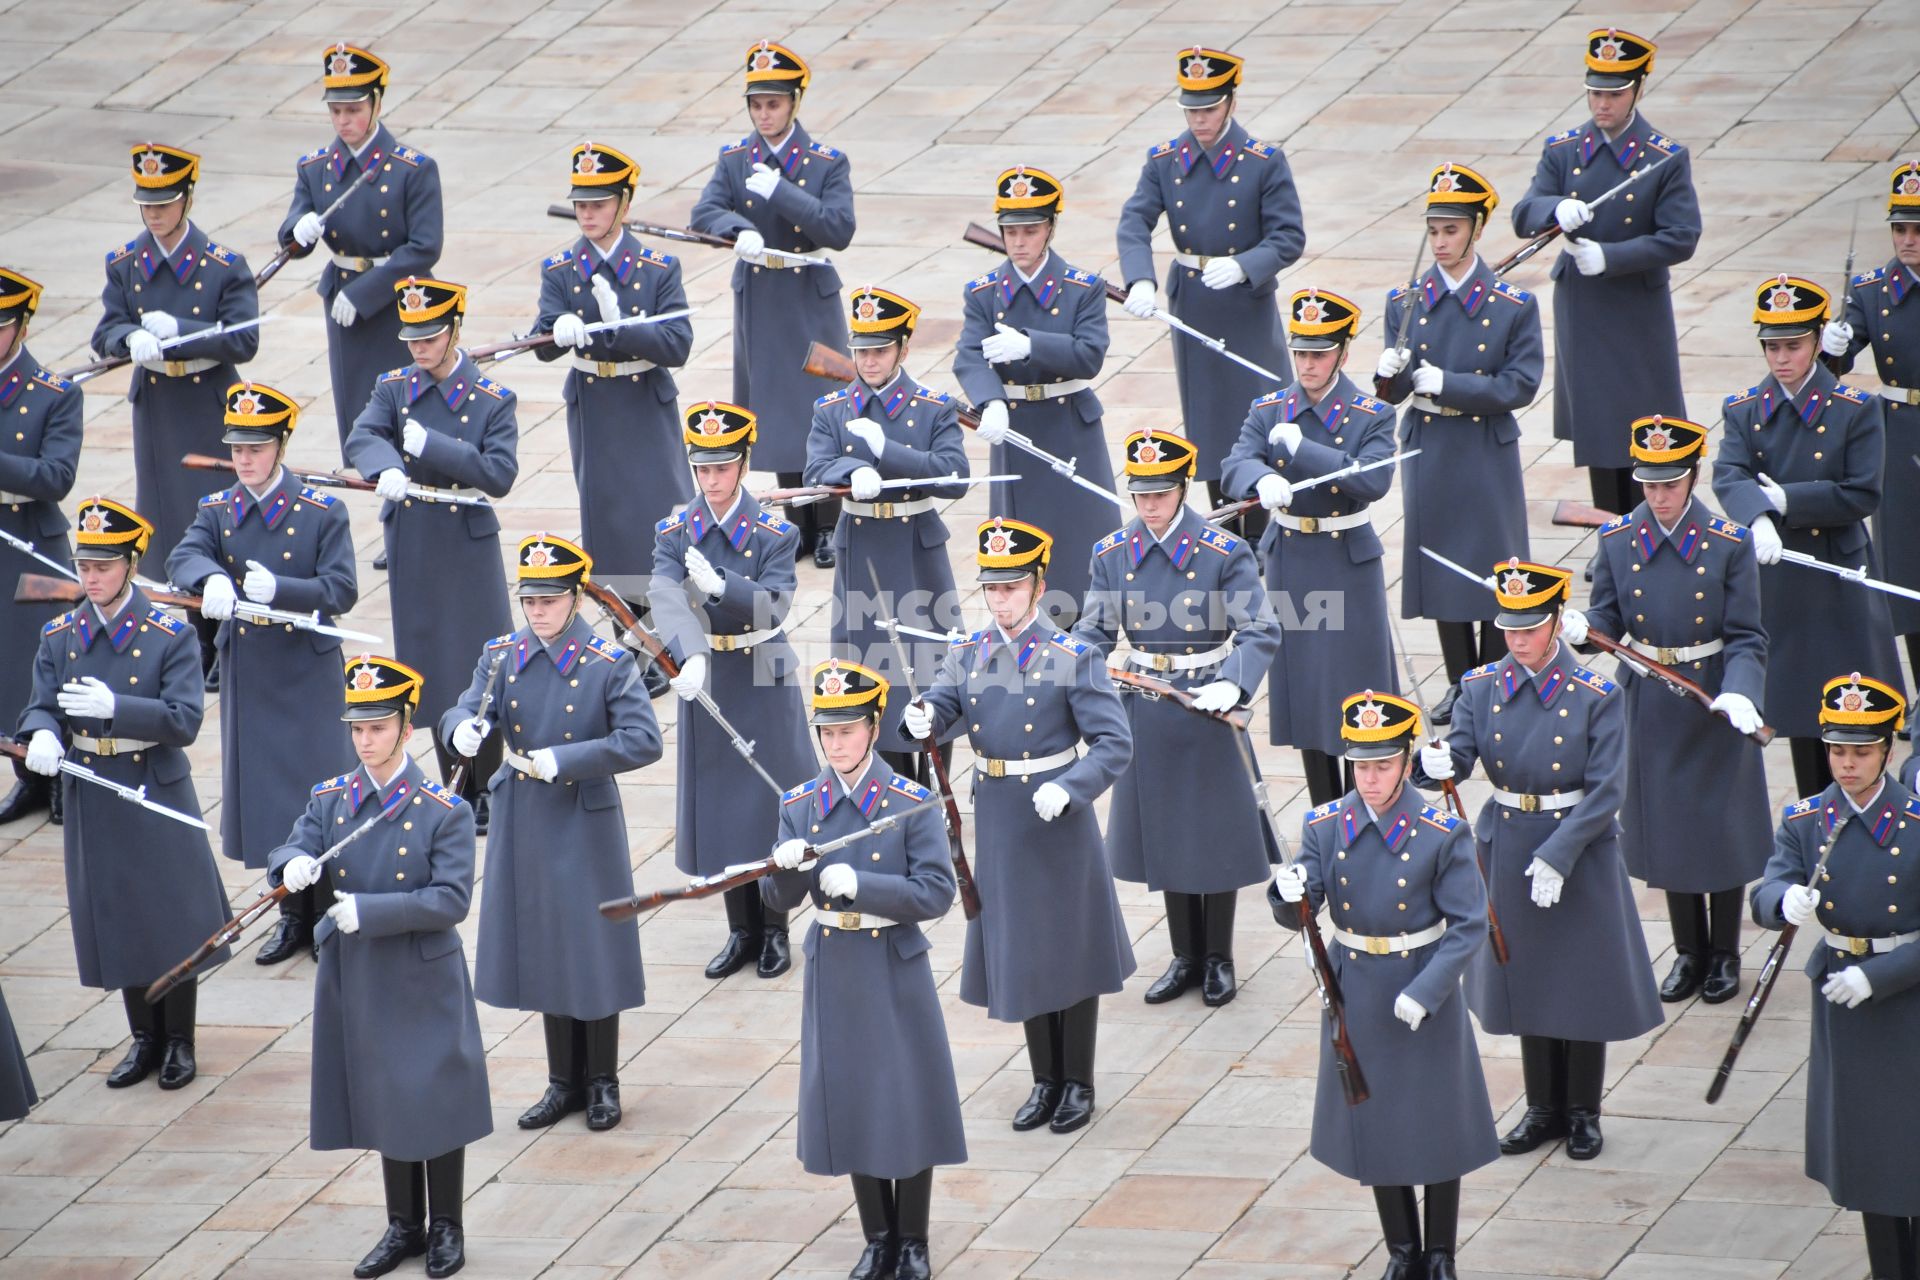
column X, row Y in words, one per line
column 596, row 217
column 1159, row 509
column 431, row 353
column 1668, row 499
column 1318, row 369
column 1789, row 360
column 547, row 614
column 1208, row 123
column 1906, row 243
column 876, row 365
column 846, row 745
column 352, row 121
column 104, row 580
column 1027, row 243
column 163, row 220
column 1011, row 602
column 1378, row 781
column 255, row 463
column 1857, row 767
column 12, row 338
column 718, row 482
column 771, row 113
column 1531, row 646
column 376, row 742
column 1451, row 240
column 1610, row 107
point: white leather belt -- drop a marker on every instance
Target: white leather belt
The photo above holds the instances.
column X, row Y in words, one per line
column 111, row 746
column 1867, row 946
column 12, row 499
column 888, row 510
column 1320, row 524
column 1195, row 260
column 444, row 493
column 611, row 368
column 177, row 368
column 1390, row 946
column 523, row 763
column 852, row 920
column 347, row 262
column 744, row 640
column 1539, row 804
column 1901, row 395
column 1043, row 390
column 1425, row 405
column 1685, row 653
column 1179, row 661
column 1021, row 768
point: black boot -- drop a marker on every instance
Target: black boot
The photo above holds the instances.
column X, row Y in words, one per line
column 406, row 1237
column 912, row 1208
column 776, row 954
column 143, row 1020
column 743, row 919
column 1079, row 1031
column 1043, row 1055
column 293, row 933
column 177, row 1067
column 1688, row 914
column 564, row 1096
column 1183, row 931
column 873, row 1197
column 57, row 802
column 1443, row 1229
column 30, row 795
column 1723, row 948
column 1217, row 987
column 446, row 1238
column 1586, row 1072
column 603, row 1071
column 1400, row 1225
column 1545, row 1119
column 824, row 515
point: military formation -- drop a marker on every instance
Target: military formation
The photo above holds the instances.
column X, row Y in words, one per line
column 1138, row 610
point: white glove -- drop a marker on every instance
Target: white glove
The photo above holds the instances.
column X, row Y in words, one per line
column 788, row 854
column 545, row 767
column 1216, row 695
column 1770, row 490
column 838, row 880
column 1836, row 337
column 259, row 584
column 344, row 315
column 1739, row 710
column 1798, row 904
column 469, row 734
column 1285, row 433
column 44, row 752
column 869, row 433
column 866, row 484
column 1409, row 1011
column 88, row 696
column 607, row 300
column 692, row 678
column 1848, row 988
column 917, row 720
column 1005, row 345
column 306, row 232
column 216, row 597
column 763, row 180
column 413, row 437
column 1274, row 492
column 750, row 246
column 569, row 330
column 700, row 571
column 1547, row 883
column 1572, row 214
column 1573, row 625
column 142, row 346
column 391, row 484
column 1290, row 883
column 993, row 422
column 1223, row 273
column 1050, row 800
column 1766, row 541
column 1436, row 761
column 345, row 913
column 160, row 325
column 301, row 872
column 1140, row 300
column 1427, row 380
column 1393, row 361
column 1588, row 255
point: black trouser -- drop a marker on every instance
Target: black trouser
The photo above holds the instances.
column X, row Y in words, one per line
column 1250, row 523
column 1614, row 489
column 1460, row 651
column 485, row 761
column 1328, row 777
column 748, row 913
column 1060, row 1045
column 412, row 1186
column 1811, row 773
column 1563, row 1075
column 1698, row 931
column 1891, row 1245
column 816, row 519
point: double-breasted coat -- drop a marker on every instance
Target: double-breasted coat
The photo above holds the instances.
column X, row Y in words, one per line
column 1063, row 312
column 1881, row 318
column 1577, row 970
column 1694, row 819
column 779, row 310
column 1329, row 585
column 1192, row 594
column 179, row 400
column 443, row 552
column 142, row 889
column 556, row 850
column 390, row 229
column 623, row 425
column 1485, row 339
column 1049, row 933
column 271, row 677
column 1863, row 1111
column 877, row 1090
column 1616, row 352
column 17, row 1094
column 722, row 806
column 1237, row 202
column 38, row 458
column 1403, row 871
column 1825, row 450
column 397, row 1063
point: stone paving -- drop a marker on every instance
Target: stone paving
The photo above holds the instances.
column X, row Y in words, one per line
column 1196, row 1164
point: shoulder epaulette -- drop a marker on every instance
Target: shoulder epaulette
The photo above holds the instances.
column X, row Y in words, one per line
column 607, row 648
column 1852, row 394
column 498, row 390
column 1510, row 293
column 671, row 523
column 221, row 254
column 1554, row 140
column 1367, row 404
column 125, row 250
column 1727, row 528
column 822, row 149
column 1219, row 539
column 165, row 621
column 1615, row 525
column 317, row 497
column 395, row 375
column 831, row 397
column 501, row 642
column 1913, row 806
column 58, row 624
column 909, row 788
column 930, row 395
column 1593, row 680
column 1065, row 642
column 1255, row 147
column 1396, row 293
column 559, row 259
column 978, row 283
column 409, row 155
column 800, row 792
column 318, row 153
column 216, row 499
column 1480, row 672
column 448, row 798
column 1871, row 277
column 1741, row 397
column 1438, row 818
column 1322, row 813
column 1164, row 149
column 1108, row 543
column 774, row 524
column 1272, row 397
column 1800, row 808
column 48, row 378
column 961, row 642
column 727, row 150
column 1663, row 144
column 1077, row 276
column 331, row 784
column 655, row 258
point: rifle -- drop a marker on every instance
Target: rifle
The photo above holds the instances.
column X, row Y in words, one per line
column 1579, row 515
column 458, row 778
column 1232, row 509
column 35, row 588
column 687, row 235
column 334, row 480
column 1152, row 688
column 1846, row 286
column 1548, row 236
column 1805, row 561
column 1382, row 385
column 497, row 351
column 26, row 548
column 88, row 371
column 292, row 249
column 810, row 493
column 975, row 234
column 133, row 795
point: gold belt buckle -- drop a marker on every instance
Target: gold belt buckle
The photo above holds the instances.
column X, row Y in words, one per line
column 1036, row 391
column 175, row 368
column 1309, row 524
column 883, row 510
column 1859, row 946
column 605, row 368
column 778, row 261
column 1666, row 656
column 1160, row 661
column 847, row 919
column 1529, row 804
column 107, row 747
column 996, row 768
column 1913, row 396
column 1378, row 947
column 720, row 644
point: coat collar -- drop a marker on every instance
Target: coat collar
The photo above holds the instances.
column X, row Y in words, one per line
column 622, row 262
column 1025, row 643
column 702, row 520
column 186, row 259
column 1395, row 822
column 272, row 506
column 1188, row 152
column 1296, row 404
column 455, row 390
column 361, row 788
column 1473, row 294
column 787, row 160
column 1045, row 285
column 1548, row 685
column 1182, row 540
column 1686, row 539
column 865, row 795
column 339, row 157
column 1811, row 401
column 889, row 400
column 1628, row 149
column 566, row 650
column 1880, row 819
column 14, row 377
column 120, row 634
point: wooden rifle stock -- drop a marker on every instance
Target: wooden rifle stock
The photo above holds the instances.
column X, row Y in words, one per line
column 226, row 935
column 962, row 869
column 976, row 234
column 1527, row 250
column 39, row 588
column 1495, row 934
column 1346, row 1063
column 632, row 633
column 685, row 235
column 837, row 366
column 1237, row 716
column 1580, row 515
column 1669, row 677
column 312, row 479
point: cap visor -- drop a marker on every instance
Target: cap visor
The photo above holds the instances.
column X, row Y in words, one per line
column 158, row 195
column 1023, row 217
column 421, row 332
column 589, row 195
column 370, row 711
column 1311, row 342
column 352, row 93
column 1452, row 211
column 1154, row 484
column 1903, row 214
column 1798, row 329
column 1195, row 99
column 1649, row 473
column 773, row 89
column 871, row 341
column 1376, row 750
column 542, row 587
column 248, row 435
column 1604, row 80
column 103, row 553
column 840, row 715
column 714, row 457
column 1855, row 736
column 1005, row 575
column 1507, row 621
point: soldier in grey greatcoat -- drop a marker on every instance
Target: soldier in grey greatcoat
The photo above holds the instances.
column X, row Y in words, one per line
column 397, row 1063
column 17, row 1094
column 1234, row 217
column 623, row 419
column 878, row 1101
column 1323, row 558
column 1049, row 941
column 1837, row 873
column 882, row 426
column 1398, row 954
column 574, row 715
column 723, row 583
column 1800, row 465
column 1551, row 736
column 1474, row 362
column 118, row 681
column 781, row 195
column 1033, row 336
column 1188, row 598
column 287, row 546
column 1612, row 304
column 38, row 459
column 1680, row 586
column 441, row 425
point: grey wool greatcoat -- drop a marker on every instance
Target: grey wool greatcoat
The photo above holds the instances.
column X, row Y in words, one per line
column 1049, row 932
column 1616, row 353
column 1825, row 451
column 385, row 232
column 17, row 1095
column 624, row 429
column 877, row 1091
column 179, row 401
column 1863, row 1111
column 1695, row 815
column 271, row 677
column 38, row 457
column 908, row 552
column 724, row 809
column 1329, row 585
column 442, row 554
column 397, row 1062
column 778, row 311
column 142, row 890
column 1063, row 312
column 1464, row 495
column 1578, row 970
column 1881, row 317
column 556, row 850
column 1428, row 1118
column 1239, row 203
column 1195, row 592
